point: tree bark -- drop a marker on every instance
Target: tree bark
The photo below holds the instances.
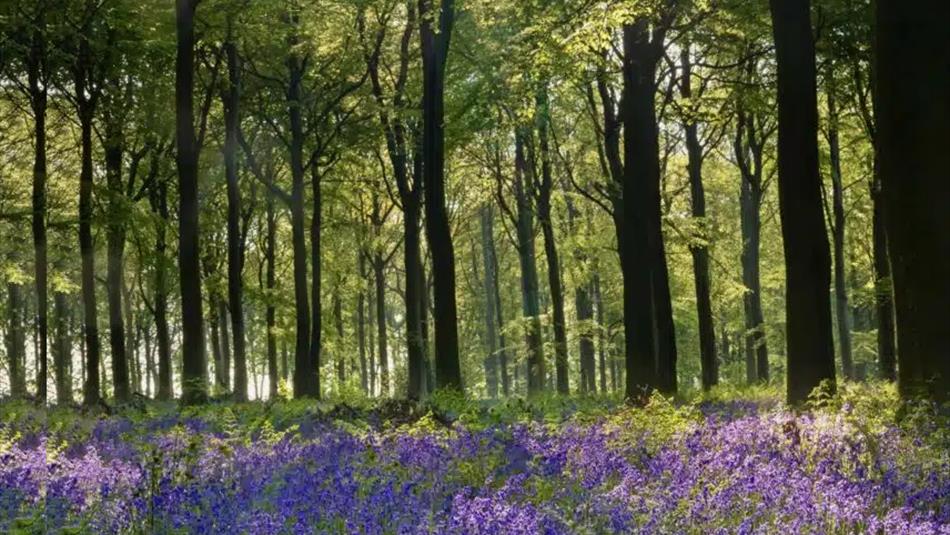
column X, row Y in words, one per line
column 271, row 310
column 883, row 288
column 842, row 309
column 113, row 146
column 159, row 201
column 435, row 47
column 699, row 249
column 640, row 170
column 361, row 323
column 379, row 274
column 912, row 51
column 545, row 189
column 230, row 99
column 35, row 64
column 491, row 323
column 810, row 359
column 194, row 380
column 341, row 351
column 87, row 251
column 316, row 280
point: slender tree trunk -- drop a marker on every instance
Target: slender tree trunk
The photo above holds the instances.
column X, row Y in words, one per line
column 842, row 310
column 214, row 325
column 91, row 383
column 341, row 350
column 131, row 338
column 115, row 263
column 414, row 310
column 225, row 333
column 38, row 98
column 699, row 251
column 159, row 201
column 810, row 359
column 435, row 47
column 361, row 323
column 550, row 247
column 602, row 339
column 194, row 379
column 380, row 277
column 305, row 382
column 491, row 322
column 756, row 349
column 62, row 349
column 271, row 310
column 230, row 99
column 149, row 358
column 912, row 51
column 316, row 311
column 530, row 291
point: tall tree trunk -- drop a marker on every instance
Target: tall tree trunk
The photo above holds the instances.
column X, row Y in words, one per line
column 341, row 350
column 214, row 325
column 491, row 322
column 305, row 381
column 230, row 98
column 38, row 96
column 435, row 47
column 912, row 51
column 316, row 311
column 149, row 358
column 87, row 252
column 810, row 359
column 641, row 169
column 159, row 201
column 271, row 310
column 224, row 332
column 379, row 275
column 546, row 188
column 699, row 250
column 842, row 310
column 131, row 339
column 361, row 323
column 602, row 339
column 414, row 310
column 194, row 380
column 530, row 292
column 62, row 350
column 113, row 145
column 748, row 148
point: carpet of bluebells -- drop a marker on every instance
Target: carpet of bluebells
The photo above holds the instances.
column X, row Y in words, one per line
column 857, row 465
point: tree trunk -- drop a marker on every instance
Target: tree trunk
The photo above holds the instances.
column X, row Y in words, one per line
column 341, row 351
column 530, row 292
column 87, row 252
column 305, row 382
column 414, row 310
column 131, row 339
column 361, row 324
column 316, row 310
column 62, row 350
column 194, row 380
column 641, row 168
column 224, row 332
column 159, row 201
column 546, row 188
column 491, row 322
column 912, row 51
column 380, row 277
column 113, row 146
column 699, row 249
column 842, row 310
column 602, row 339
column 214, row 325
column 38, row 97
column 230, row 98
column 271, row 310
column 435, row 47
column 810, row 359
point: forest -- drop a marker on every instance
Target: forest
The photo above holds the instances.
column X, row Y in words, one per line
column 474, row 266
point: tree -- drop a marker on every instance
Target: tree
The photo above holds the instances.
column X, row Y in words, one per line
column 913, row 123
column 435, row 48
column 807, row 260
column 194, row 380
